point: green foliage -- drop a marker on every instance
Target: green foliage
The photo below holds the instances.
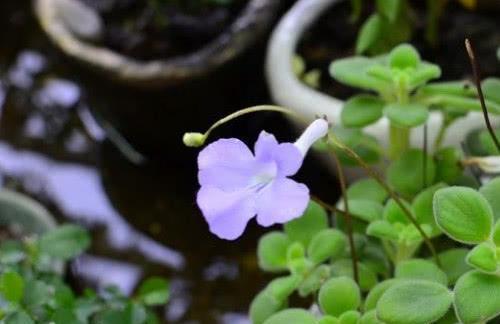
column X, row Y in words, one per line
column 422, row 270
column 414, row 302
column 272, row 250
column 463, row 214
column 304, row 228
column 32, row 289
column 339, row 295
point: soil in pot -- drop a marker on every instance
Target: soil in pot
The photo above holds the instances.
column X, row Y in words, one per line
column 153, row 29
column 333, row 36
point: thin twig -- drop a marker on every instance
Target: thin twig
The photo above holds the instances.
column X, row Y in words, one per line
column 348, row 216
column 476, row 70
column 325, row 205
column 374, row 174
column 424, row 161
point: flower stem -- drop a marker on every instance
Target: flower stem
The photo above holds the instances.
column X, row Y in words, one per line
column 374, row 174
column 348, row 216
column 399, row 141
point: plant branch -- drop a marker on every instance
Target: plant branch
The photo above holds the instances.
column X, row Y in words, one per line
column 374, row 174
column 476, row 70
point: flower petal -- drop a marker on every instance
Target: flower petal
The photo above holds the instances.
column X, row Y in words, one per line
column 227, row 164
column 287, row 156
column 281, row 201
column 227, row 213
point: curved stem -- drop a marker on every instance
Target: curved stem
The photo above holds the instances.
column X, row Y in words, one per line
column 334, row 141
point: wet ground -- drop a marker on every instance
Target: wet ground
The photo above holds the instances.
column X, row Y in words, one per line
column 141, row 212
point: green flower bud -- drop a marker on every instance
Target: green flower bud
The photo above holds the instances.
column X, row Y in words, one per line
column 194, row 139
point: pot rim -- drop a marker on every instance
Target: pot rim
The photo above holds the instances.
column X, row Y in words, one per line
column 288, row 91
column 35, row 217
column 245, row 30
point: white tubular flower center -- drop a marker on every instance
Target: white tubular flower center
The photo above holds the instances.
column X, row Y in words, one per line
column 316, row 130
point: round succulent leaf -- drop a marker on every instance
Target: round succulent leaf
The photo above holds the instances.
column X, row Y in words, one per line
column 487, row 143
column 282, row 288
column 406, row 174
column 350, row 317
column 339, row 295
column 477, row 297
column 263, row 306
column 422, row 207
column 303, row 229
column 365, row 210
column 367, row 189
column 496, row 234
column 414, row 302
column 406, row 115
column 491, row 191
column 420, row 269
column 453, row 263
column 292, row 315
column 483, row 257
column 361, row 110
column 404, row 56
column 343, row 268
column 376, row 292
column 329, row 243
column 296, row 260
column 272, row 251
column 423, row 74
column 463, row 214
column 366, row 146
column 383, row 230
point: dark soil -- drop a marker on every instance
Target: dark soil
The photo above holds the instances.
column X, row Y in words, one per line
column 333, row 37
column 152, row 29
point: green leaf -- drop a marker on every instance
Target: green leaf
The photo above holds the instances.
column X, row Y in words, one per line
column 271, row 251
column 393, row 213
column 407, row 115
column 367, row 189
column 263, row 306
column 370, row 32
column 39, row 293
column 376, row 292
column 422, row 207
column 350, row 317
column 477, row 297
column 303, row 229
column 154, row 291
column 370, row 318
column 361, row 110
column 389, row 8
column 406, row 174
column 383, row 230
column 135, row 313
column 19, row 317
column 292, row 315
column 491, row 89
column 414, row 302
column 329, row 243
column 483, row 257
column 65, row 242
column 64, row 316
column 491, row 191
column 463, row 214
column 453, row 263
column 366, row 210
column 282, row 288
column 343, row 268
column 352, row 71
column 422, row 270
column 12, row 286
column 339, row 295
column 403, row 56
column 496, row 234
column 487, row 142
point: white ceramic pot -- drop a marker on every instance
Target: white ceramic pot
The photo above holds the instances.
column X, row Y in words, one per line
column 288, row 91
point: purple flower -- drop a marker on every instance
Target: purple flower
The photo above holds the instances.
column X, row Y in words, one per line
column 236, row 184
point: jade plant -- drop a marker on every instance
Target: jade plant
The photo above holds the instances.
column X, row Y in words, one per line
column 33, row 289
column 398, row 87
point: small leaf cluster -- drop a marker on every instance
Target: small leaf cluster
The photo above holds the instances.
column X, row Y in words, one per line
column 398, row 89
column 33, row 290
